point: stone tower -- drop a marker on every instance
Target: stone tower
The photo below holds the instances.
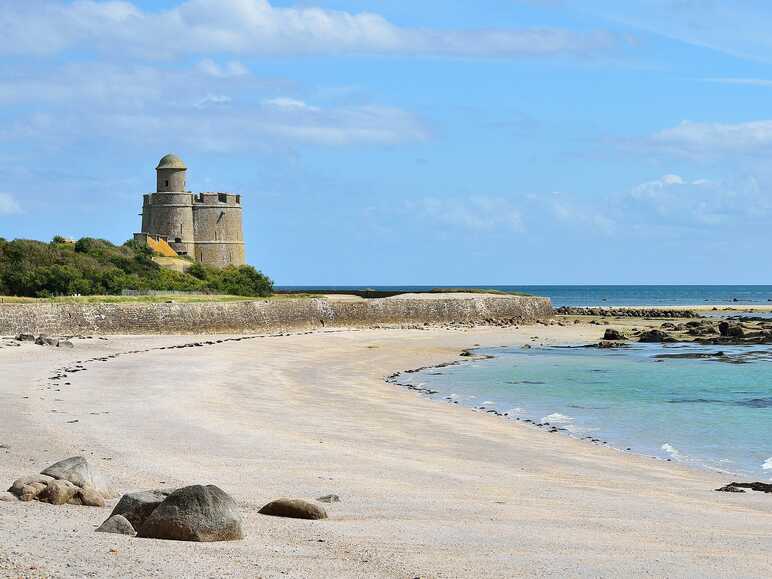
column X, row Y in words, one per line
column 206, row 227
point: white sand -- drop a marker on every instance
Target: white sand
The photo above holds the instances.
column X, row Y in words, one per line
column 428, row 489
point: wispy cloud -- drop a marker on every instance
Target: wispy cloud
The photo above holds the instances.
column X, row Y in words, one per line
column 259, row 28
column 147, row 104
column 475, row 213
column 740, row 29
column 739, row 81
column 8, row 204
column 709, row 139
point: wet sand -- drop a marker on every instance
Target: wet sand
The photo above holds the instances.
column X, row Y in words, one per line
column 428, row 489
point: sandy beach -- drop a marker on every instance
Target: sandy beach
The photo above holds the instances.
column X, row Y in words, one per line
column 427, row 489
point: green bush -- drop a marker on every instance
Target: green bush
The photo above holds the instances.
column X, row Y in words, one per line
column 97, row 267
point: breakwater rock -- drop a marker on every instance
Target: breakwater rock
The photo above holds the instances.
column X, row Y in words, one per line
column 272, row 315
column 626, row 312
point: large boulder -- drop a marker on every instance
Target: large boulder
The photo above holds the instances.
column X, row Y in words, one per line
column 195, row 513
column 79, row 472
column 117, row 524
column 138, row 506
column 294, row 509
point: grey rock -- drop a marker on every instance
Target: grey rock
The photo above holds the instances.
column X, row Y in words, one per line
column 294, row 509
column 25, row 338
column 329, row 499
column 117, row 524
column 65, row 344
column 46, row 341
column 138, row 506
column 195, row 513
column 79, row 472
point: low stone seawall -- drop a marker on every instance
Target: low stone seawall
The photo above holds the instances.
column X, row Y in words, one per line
column 267, row 316
column 627, row 312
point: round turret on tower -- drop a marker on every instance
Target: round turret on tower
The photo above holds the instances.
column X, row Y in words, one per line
column 170, row 174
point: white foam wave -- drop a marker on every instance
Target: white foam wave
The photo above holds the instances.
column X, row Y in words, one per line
column 489, row 402
column 767, row 464
column 671, row 450
column 557, row 418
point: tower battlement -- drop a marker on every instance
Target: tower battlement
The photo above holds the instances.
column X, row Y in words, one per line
column 207, row 226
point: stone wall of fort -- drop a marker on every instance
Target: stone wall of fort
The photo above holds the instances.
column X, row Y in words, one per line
column 264, row 316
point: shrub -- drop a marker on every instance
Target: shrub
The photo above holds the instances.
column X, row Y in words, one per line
column 95, row 267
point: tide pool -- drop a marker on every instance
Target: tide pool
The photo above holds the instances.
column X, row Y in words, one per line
column 713, row 412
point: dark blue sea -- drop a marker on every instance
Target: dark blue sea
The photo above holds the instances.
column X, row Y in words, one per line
column 613, row 295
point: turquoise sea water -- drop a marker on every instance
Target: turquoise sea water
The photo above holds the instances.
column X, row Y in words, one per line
column 703, row 412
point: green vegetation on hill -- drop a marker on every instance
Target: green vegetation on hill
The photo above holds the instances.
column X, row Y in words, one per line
column 97, row 267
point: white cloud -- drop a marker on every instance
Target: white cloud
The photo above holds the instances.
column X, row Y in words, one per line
column 673, row 200
column 669, row 205
column 257, row 27
column 8, row 204
column 476, row 213
column 213, row 99
column 210, row 112
column 709, row 139
column 226, row 70
column 289, row 104
column 570, row 211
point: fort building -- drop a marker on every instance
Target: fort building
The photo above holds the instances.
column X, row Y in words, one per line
column 205, row 227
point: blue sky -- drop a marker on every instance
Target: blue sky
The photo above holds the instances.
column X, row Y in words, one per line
column 391, row 142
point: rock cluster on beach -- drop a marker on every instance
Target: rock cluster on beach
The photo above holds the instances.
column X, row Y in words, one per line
column 70, row 481
column 44, row 340
column 196, row 513
column 703, row 331
column 193, row 513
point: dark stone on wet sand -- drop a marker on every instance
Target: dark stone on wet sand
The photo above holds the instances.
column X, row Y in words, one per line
column 730, row 330
column 736, row 487
column 655, row 336
column 613, row 335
